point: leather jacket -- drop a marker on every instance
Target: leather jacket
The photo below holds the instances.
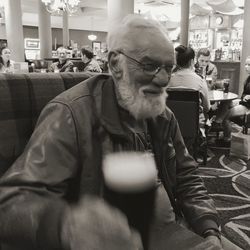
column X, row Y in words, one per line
column 62, row 162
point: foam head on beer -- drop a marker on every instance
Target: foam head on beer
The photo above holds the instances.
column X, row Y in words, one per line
column 129, row 171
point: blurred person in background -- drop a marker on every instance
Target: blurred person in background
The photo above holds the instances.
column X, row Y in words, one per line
column 90, row 63
column 6, row 64
column 64, row 64
column 205, row 68
column 233, row 110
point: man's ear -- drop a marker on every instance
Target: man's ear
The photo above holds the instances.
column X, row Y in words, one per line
column 114, row 65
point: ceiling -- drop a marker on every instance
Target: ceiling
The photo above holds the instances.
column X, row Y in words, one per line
column 92, row 14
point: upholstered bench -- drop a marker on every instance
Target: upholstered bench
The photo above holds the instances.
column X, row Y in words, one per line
column 22, row 97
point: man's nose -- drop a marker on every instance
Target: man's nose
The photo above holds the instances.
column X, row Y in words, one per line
column 162, row 78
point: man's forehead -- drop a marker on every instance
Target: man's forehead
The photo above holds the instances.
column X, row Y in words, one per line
column 202, row 57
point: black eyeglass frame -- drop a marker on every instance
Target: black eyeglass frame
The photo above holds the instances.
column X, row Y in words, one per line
column 154, row 72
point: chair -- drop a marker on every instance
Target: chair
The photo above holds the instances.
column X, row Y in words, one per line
column 40, row 64
column 185, row 105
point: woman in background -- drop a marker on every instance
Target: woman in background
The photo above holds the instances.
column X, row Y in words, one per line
column 184, row 76
column 6, row 65
column 90, row 64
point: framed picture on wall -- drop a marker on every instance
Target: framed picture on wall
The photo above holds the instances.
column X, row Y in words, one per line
column 96, row 46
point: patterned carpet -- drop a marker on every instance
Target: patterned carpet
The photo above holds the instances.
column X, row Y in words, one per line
column 228, row 182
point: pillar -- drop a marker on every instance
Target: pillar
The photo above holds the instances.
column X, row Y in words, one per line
column 184, row 22
column 65, row 29
column 245, row 46
column 14, row 29
column 44, row 28
column 117, row 10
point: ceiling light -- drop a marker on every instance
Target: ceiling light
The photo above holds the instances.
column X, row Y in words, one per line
column 92, row 37
column 57, row 6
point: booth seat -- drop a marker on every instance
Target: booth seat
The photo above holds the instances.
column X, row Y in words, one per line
column 22, row 97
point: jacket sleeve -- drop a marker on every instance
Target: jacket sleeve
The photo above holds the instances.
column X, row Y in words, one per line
column 32, row 191
column 192, row 197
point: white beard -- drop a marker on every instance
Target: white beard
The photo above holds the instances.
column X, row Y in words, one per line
column 134, row 100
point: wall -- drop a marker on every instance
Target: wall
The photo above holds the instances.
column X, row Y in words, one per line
column 79, row 36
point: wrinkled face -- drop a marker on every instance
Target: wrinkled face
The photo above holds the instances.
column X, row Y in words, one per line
column 62, row 54
column 6, row 54
column 247, row 65
column 142, row 88
column 203, row 60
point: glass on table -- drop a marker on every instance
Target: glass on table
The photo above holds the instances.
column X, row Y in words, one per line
column 226, row 84
column 209, row 82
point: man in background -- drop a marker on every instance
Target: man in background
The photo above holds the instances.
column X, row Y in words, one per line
column 205, row 68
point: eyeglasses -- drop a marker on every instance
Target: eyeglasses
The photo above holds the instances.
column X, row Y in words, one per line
column 149, row 69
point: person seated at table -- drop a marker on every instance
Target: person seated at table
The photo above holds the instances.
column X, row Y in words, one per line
column 45, row 190
column 205, row 68
column 6, row 64
column 90, row 64
column 184, row 77
column 234, row 110
column 64, row 64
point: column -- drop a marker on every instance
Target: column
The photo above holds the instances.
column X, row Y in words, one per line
column 65, row 29
column 14, row 29
column 118, row 9
column 44, row 27
column 245, row 46
column 184, row 22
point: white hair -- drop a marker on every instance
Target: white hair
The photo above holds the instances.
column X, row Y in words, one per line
column 120, row 36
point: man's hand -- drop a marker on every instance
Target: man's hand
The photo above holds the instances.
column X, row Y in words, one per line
column 95, row 225
column 214, row 240
column 246, row 97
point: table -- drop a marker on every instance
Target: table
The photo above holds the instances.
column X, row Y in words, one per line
column 220, row 96
column 176, row 237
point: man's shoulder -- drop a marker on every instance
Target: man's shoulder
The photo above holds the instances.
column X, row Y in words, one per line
column 88, row 88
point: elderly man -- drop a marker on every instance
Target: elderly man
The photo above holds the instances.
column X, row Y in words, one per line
column 43, row 202
column 64, row 64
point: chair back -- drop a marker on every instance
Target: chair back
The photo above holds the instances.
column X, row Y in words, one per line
column 40, row 64
column 185, row 106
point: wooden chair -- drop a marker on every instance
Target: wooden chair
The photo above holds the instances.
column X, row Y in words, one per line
column 185, row 105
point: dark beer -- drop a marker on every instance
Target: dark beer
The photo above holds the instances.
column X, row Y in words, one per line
column 135, row 201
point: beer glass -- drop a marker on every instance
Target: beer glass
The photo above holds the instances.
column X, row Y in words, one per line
column 130, row 181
